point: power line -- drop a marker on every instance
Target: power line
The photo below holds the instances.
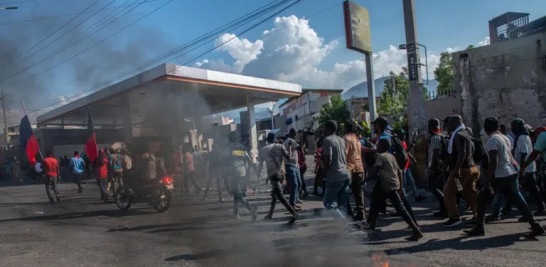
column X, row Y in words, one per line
column 63, row 15
column 198, row 41
column 212, row 34
column 49, row 35
column 62, row 49
column 78, row 93
column 239, row 34
column 53, row 54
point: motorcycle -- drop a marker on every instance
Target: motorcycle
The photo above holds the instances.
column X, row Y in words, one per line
column 158, row 194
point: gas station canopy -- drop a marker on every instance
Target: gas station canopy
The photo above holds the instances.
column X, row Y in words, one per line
column 168, row 92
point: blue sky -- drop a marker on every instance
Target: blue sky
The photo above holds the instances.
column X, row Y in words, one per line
column 54, row 72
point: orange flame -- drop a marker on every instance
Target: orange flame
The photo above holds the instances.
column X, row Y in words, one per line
column 380, row 260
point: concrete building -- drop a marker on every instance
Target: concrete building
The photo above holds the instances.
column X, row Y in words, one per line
column 299, row 112
column 358, row 108
column 506, row 79
column 162, row 105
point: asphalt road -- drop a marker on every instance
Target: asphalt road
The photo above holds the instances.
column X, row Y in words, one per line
column 84, row 231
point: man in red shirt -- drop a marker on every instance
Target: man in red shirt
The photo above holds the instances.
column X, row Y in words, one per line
column 101, row 169
column 50, row 167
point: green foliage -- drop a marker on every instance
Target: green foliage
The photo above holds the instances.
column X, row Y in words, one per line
column 444, row 74
column 366, row 130
column 335, row 110
column 393, row 102
column 469, row 47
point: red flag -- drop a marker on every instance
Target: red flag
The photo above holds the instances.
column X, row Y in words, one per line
column 91, row 145
column 27, row 139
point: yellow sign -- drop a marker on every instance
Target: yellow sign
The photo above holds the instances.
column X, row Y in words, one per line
column 357, row 27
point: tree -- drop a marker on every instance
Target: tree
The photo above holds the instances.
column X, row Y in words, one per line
column 393, row 102
column 444, row 74
column 335, row 110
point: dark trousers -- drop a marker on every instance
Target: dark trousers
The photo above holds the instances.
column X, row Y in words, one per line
column 214, row 174
column 318, row 181
column 529, row 183
column 378, row 201
column 276, row 194
column 358, row 194
column 407, row 205
column 78, row 179
column 436, row 187
column 51, row 185
column 510, row 188
column 238, row 195
column 190, row 177
column 117, row 180
column 302, row 179
column 102, row 187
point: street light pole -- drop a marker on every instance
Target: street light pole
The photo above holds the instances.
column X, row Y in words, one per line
column 270, row 110
column 6, row 138
column 416, row 102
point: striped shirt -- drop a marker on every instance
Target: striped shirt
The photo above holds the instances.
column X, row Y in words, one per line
column 435, row 143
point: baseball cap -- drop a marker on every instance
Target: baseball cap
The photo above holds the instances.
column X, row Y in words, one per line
column 382, row 122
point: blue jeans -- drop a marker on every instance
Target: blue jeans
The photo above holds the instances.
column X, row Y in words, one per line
column 294, row 182
column 509, row 187
column 408, row 180
column 335, row 197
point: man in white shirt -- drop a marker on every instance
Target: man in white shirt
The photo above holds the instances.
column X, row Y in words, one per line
column 502, row 177
column 522, row 150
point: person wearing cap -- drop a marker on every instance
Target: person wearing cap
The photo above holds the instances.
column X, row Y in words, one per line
column 382, row 130
column 522, row 149
column 502, row 177
column 336, row 175
column 436, row 145
column 273, row 155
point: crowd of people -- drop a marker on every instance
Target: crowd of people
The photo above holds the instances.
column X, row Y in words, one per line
column 483, row 170
column 493, row 169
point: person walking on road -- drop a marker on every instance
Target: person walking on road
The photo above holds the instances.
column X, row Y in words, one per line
column 437, row 153
column 336, row 175
column 273, row 155
column 50, row 167
column 238, row 162
column 77, row 165
column 502, row 178
column 214, row 171
column 101, row 172
column 464, row 173
column 389, row 186
column 188, row 169
column 355, row 168
column 292, row 170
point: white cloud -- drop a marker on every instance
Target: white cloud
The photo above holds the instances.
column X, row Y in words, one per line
column 292, row 51
column 485, row 41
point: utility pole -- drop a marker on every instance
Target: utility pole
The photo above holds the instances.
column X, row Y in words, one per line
column 416, row 102
column 6, row 138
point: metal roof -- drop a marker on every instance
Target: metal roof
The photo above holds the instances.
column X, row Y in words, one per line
column 154, row 95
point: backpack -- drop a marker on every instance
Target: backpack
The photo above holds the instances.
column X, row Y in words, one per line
column 399, row 152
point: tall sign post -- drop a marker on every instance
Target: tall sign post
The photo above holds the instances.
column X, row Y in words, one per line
column 358, row 36
column 416, row 102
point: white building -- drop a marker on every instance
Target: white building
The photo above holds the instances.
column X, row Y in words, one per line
column 299, row 112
